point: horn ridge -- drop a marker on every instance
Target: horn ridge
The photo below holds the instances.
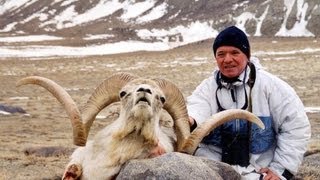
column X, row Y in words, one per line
column 79, row 136
column 176, row 107
column 104, row 95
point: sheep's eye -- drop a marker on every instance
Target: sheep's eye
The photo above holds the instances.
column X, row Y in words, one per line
column 122, row 93
column 163, row 100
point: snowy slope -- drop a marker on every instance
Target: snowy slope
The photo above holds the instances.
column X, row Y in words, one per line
column 145, row 24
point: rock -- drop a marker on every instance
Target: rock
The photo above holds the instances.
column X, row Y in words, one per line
column 176, row 166
column 48, row 151
column 5, row 109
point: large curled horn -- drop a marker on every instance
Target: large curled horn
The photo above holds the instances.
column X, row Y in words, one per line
column 79, row 134
column 105, row 94
column 216, row 120
column 176, row 107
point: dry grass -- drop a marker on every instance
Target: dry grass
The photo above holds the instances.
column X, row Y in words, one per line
column 186, row 66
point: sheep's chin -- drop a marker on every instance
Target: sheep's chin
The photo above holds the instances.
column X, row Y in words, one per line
column 142, row 110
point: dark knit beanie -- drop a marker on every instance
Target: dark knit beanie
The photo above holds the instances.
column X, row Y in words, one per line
column 232, row 36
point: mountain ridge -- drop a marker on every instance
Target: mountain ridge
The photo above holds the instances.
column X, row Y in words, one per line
column 173, row 22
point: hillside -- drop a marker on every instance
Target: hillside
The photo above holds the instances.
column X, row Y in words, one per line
column 173, row 22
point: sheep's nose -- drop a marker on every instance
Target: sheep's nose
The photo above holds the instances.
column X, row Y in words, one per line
column 147, row 90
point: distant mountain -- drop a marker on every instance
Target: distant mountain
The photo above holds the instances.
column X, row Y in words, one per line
column 86, row 22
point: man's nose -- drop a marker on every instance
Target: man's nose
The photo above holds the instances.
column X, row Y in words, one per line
column 228, row 58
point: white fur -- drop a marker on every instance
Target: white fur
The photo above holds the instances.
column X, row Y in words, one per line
column 133, row 135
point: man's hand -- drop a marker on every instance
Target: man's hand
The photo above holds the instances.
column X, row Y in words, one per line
column 269, row 174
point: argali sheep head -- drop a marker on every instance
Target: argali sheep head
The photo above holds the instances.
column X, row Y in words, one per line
column 117, row 86
column 142, row 94
column 141, row 102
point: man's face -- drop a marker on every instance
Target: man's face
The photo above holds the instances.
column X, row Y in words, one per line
column 231, row 61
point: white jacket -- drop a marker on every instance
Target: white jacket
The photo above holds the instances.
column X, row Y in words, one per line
column 271, row 97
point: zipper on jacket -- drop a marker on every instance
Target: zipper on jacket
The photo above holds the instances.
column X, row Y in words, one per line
column 234, row 93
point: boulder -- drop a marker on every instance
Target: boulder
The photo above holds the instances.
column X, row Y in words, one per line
column 176, row 166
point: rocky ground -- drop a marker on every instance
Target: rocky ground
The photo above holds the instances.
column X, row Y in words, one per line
column 47, row 125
